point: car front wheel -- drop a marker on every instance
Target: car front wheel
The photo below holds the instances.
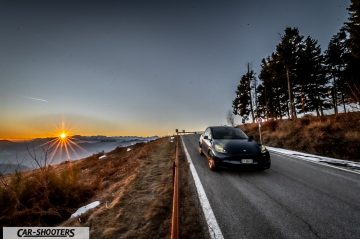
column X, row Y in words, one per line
column 211, row 164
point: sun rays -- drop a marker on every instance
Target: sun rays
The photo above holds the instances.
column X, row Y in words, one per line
column 62, row 146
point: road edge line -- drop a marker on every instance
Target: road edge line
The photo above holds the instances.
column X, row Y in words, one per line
column 314, row 162
column 213, row 226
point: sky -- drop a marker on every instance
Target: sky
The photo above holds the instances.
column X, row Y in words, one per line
column 138, row 67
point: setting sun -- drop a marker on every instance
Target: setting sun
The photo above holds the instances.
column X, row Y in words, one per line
column 62, row 143
column 63, row 136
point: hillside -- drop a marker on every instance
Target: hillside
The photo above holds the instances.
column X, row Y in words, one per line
column 332, row 136
column 133, row 186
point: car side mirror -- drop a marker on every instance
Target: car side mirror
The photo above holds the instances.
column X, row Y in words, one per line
column 206, row 137
column 251, row 138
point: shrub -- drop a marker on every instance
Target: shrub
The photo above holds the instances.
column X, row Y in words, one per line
column 272, row 124
column 45, row 197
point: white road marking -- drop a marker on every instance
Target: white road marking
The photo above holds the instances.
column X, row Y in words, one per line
column 274, row 150
column 214, row 229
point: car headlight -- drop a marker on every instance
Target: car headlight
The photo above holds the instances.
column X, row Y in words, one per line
column 219, row 148
column 263, row 149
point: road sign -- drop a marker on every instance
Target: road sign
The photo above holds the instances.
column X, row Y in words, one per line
column 259, row 120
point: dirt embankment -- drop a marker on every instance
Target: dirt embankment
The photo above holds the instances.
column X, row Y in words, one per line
column 134, row 189
column 332, row 136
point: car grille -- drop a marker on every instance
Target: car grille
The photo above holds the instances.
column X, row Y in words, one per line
column 242, row 156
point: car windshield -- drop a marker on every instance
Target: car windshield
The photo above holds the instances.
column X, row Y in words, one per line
column 228, row 133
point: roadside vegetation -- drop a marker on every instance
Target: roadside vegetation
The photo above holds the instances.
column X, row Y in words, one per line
column 134, row 188
column 299, row 78
column 332, row 136
column 44, row 197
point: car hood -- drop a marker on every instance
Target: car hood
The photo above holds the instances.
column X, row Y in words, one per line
column 239, row 146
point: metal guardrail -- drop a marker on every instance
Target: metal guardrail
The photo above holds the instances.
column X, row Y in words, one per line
column 175, row 207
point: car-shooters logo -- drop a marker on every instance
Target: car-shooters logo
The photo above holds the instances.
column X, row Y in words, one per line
column 46, row 232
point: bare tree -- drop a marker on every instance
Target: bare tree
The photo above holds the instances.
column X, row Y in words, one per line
column 230, row 118
column 42, row 159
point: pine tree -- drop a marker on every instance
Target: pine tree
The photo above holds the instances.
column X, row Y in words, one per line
column 275, row 100
column 353, row 72
column 353, row 27
column 336, row 59
column 311, row 89
column 288, row 50
column 261, row 109
column 241, row 103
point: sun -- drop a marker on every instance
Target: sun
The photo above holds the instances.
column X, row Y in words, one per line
column 63, row 136
column 63, row 145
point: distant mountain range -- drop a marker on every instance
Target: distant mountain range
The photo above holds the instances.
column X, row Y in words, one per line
column 20, row 155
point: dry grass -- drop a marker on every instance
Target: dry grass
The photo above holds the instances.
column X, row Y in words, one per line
column 45, row 197
column 329, row 136
column 136, row 196
column 134, row 188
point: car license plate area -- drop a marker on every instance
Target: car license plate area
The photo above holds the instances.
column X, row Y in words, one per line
column 247, row 161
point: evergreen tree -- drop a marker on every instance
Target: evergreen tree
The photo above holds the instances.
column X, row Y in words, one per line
column 352, row 71
column 311, row 89
column 275, row 88
column 243, row 102
column 288, row 50
column 353, row 27
column 261, row 101
column 336, row 59
column 298, row 77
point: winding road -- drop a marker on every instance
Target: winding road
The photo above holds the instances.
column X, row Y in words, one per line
column 293, row 199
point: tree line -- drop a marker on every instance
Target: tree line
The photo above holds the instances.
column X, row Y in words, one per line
column 299, row 78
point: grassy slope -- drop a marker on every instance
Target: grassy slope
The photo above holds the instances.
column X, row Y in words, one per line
column 330, row 136
column 136, row 196
column 134, row 188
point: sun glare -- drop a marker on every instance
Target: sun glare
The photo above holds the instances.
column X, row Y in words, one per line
column 63, row 136
column 63, row 145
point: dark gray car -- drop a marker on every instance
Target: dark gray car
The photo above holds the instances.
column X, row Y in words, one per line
column 228, row 147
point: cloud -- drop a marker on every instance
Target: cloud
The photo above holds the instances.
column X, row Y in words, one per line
column 37, row 99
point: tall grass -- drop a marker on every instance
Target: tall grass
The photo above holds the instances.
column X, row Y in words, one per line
column 44, row 197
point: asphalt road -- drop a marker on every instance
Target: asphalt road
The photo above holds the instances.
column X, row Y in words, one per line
column 293, row 199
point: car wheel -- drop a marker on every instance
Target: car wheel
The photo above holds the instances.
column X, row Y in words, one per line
column 211, row 164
